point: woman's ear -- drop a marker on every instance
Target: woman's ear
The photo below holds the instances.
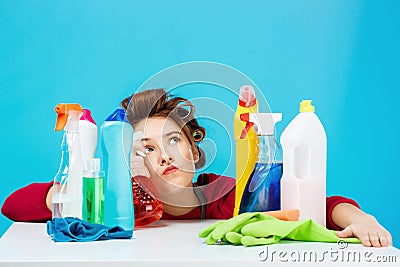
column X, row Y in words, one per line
column 196, row 154
column 200, row 159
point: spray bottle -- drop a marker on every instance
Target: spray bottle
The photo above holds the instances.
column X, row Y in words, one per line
column 303, row 184
column 116, row 137
column 246, row 142
column 67, row 187
column 262, row 191
column 148, row 208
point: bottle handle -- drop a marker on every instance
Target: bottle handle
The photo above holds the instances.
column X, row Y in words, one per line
column 301, row 162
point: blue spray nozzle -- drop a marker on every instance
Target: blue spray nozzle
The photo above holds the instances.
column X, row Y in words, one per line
column 118, row 115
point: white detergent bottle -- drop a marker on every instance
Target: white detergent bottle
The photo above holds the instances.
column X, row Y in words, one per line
column 88, row 136
column 303, row 183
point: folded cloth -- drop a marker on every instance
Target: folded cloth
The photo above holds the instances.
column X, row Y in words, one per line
column 254, row 228
column 74, row 229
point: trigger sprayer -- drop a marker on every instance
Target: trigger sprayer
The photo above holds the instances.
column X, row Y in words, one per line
column 262, row 191
column 67, row 186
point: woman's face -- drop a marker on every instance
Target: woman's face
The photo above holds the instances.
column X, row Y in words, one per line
column 170, row 156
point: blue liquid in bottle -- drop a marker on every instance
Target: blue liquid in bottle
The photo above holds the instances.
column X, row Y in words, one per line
column 263, row 190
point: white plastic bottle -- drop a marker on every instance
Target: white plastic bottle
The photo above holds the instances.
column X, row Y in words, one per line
column 303, row 183
column 88, row 136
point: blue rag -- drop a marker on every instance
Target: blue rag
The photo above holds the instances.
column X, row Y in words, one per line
column 74, row 229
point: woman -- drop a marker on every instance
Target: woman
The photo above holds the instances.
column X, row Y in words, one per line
column 167, row 155
column 170, row 134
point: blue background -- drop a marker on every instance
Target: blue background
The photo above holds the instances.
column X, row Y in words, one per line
column 342, row 54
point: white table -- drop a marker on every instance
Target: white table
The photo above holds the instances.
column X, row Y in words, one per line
column 172, row 243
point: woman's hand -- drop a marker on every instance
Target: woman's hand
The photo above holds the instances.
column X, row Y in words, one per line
column 138, row 168
column 369, row 231
column 357, row 223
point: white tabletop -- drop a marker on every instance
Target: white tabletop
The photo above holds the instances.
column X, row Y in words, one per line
column 173, row 243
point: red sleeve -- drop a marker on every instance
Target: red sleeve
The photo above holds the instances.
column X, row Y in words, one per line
column 28, row 204
column 331, row 203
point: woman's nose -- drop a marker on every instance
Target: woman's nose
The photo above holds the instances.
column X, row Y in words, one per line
column 166, row 159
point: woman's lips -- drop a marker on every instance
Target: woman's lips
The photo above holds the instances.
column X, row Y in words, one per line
column 170, row 170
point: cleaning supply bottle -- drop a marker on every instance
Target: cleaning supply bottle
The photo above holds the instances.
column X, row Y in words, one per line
column 67, row 187
column 116, row 137
column 88, row 136
column 246, row 142
column 148, row 208
column 303, row 183
column 262, row 191
column 93, row 192
column 146, row 198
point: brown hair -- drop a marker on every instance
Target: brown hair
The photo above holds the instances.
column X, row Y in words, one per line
column 157, row 103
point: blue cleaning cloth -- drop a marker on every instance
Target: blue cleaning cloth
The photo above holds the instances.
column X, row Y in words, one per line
column 74, row 229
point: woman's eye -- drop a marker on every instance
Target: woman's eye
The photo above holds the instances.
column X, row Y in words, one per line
column 173, row 140
column 148, row 149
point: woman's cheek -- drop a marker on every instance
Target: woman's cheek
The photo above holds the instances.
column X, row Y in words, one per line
column 185, row 152
column 150, row 165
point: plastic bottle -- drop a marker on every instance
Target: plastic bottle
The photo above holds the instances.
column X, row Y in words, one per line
column 88, row 136
column 67, row 187
column 148, row 208
column 303, row 183
column 262, row 192
column 246, row 142
column 93, row 192
column 116, row 135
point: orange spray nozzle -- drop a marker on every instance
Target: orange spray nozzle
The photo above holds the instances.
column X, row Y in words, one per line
column 63, row 111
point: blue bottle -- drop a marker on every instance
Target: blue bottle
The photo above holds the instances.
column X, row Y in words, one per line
column 116, row 136
column 262, row 191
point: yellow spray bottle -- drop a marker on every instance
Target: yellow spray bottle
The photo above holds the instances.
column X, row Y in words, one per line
column 246, row 142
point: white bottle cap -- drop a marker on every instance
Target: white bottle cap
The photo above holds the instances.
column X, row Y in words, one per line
column 247, row 95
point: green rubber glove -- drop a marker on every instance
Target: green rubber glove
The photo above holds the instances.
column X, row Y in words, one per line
column 251, row 229
column 218, row 230
column 239, row 239
column 269, row 232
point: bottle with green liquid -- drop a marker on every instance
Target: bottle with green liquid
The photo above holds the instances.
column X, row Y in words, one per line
column 93, row 192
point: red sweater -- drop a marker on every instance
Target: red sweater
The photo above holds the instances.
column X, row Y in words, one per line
column 28, row 204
